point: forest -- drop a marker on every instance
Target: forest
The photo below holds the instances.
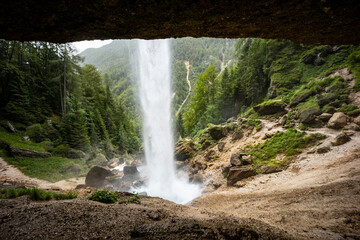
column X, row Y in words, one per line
column 47, row 93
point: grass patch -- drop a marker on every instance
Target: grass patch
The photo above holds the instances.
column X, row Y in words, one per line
column 52, row 169
column 35, row 194
column 16, row 140
column 288, row 143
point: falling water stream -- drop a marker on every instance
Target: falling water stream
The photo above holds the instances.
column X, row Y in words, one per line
column 155, row 98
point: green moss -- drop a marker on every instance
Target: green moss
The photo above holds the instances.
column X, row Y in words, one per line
column 300, row 95
column 288, row 143
column 354, row 63
column 303, row 127
column 327, row 109
column 350, row 110
column 310, row 103
column 35, row 194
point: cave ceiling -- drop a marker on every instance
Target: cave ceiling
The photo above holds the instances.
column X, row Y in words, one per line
column 307, row 21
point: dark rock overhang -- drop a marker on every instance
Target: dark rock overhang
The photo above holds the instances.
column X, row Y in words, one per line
column 306, row 21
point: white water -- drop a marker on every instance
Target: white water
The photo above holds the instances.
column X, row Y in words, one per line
column 155, row 99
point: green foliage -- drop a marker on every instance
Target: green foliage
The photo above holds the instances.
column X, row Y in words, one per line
column 288, row 143
column 310, row 103
column 303, row 127
column 350, row 110
column 354, row 62
column 41, row 81
column 194, row 118
column 135, row 198
column 104, row 196
column 35, row 194
column 16, row 140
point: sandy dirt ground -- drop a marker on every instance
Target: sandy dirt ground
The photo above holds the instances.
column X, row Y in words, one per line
column 10, row 175
column 317, row 197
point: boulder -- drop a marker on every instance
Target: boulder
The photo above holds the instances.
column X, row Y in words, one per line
column 74, row 154
column 270, row 107
column 96, row 177
column 337, row 121
column 326, row 98
column 15, row 151
column 272, row 93
column 130, row 170
column 238, row 173
column 221, row 146
column 298, row 98
column 184, row 149
column 235, row 160
column 357, row 120
column 309, row 114
column 26, row 138
column 325, row 117
column 217, row 131
column 237, row 135
column 323, row 149
column 210, row 156
column 246, row 160
column 283, row 120
column 114, row 162
column 270, row 169
column 340, row 139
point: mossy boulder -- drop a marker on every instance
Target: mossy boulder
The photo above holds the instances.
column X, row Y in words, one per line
column 300, row 96
column 270, row 107
column 308, row 111
column 15, row 151
column 184, row 149
column 326, row 98
column 217, row 132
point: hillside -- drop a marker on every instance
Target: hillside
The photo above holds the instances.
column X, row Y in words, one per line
column 119, row 58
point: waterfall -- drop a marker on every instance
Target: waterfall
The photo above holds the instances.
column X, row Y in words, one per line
column 155, row 99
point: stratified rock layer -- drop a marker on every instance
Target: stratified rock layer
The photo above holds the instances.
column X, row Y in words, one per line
column 306, row 21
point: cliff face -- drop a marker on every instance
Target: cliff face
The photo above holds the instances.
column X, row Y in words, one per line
column 309, row 21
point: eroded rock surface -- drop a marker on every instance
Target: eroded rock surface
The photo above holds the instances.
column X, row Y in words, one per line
column 308, row 21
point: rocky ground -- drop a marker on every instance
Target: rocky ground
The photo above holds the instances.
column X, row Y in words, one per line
column 315, row 195
column 154, row 218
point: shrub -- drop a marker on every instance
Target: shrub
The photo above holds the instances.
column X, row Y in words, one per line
column 103, row 196
column 135, row 198
column 36, row 133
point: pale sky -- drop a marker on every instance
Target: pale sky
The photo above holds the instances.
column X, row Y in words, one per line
column 81, row 46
